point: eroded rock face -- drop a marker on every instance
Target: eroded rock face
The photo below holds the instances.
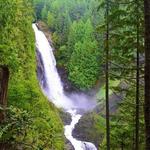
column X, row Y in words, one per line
column 40, row 70
column 88, row 129
column 68, row 87
column 68, row 145
column 65, row 117
column 45, row 29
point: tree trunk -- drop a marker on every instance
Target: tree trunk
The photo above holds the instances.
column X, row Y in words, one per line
column 122, row 145
column 4, row 77
column 137, row 81
column 147, row 72
column 107, row 77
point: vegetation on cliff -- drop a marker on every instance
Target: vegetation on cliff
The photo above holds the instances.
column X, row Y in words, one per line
column 31, row 122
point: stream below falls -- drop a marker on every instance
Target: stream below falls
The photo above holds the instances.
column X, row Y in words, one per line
column 53, row 88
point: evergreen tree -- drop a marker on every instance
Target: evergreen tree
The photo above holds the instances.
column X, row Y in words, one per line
column 147, row 72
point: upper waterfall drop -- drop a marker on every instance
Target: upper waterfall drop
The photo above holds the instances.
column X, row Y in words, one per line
column 54, row 89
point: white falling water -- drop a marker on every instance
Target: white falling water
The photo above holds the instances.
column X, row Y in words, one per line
column 55, row 91
column 78, row 145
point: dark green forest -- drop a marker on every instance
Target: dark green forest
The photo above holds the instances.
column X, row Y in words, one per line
column 73, row 26
column 102, row 46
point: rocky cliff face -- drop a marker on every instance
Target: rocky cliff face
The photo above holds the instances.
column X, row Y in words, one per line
column 68, row 87
column 68, row 145
column 89, row 129
column 40, row 70
column 44, row 28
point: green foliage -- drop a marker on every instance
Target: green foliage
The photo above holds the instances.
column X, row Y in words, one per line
column 50, row 20
column 84, row 60
column 12, row 35
column 100, row 96
column 84, row 65
column 32, row 122
column 76, row 34
column 38, row 5
column 44, row 13
column 123, row 47
column 16, row 126
column 123, row 123
column 62, row 56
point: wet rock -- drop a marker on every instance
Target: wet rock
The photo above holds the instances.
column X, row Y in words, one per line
column 88, row 129
column 68, row 145
column 44, row 28
column 68, row 87
column 65, row 117
column 40, row 70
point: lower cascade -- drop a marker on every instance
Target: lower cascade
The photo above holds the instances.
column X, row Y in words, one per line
column 78, row 145
column 53, row 89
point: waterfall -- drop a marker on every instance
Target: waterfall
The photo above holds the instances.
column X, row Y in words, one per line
column 54, row 91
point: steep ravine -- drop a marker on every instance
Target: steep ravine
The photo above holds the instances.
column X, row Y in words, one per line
column 91, row 126
column 52, row 86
